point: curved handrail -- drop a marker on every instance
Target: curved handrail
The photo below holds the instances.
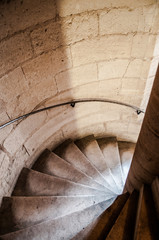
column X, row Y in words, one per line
column 72, row 103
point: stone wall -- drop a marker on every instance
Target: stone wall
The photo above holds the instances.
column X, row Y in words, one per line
column 52, row 52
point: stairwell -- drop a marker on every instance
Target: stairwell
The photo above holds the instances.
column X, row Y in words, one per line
column 75, row 192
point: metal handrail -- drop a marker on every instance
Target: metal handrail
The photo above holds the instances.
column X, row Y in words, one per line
column 72, row 104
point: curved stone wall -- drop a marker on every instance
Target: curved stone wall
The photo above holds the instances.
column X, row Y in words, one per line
column 51, row 52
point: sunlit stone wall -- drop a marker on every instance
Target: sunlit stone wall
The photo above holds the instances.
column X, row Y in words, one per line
column 52, row 52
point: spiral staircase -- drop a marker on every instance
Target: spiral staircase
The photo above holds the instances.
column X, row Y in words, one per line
column 75, row 192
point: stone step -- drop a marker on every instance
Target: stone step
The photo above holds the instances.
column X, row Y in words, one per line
column 109, row 148
column 72, row 154
column 51, row 164
column 126, row 151
column 92, row 151
column 124, row 226
column 61, row 228
column 33, row 183
column 101, row 226
column 21, row 212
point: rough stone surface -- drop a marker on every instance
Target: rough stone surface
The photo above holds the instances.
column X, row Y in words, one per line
column 24, row 209
column 119, row 21
column 19, row 135
column 19, row 15
column 76, row 77
column 14, row 51
column 99, row 49
column 74, row 222
column 76, row 49
column 112, row 69
column 47, row 37
column 66, row 7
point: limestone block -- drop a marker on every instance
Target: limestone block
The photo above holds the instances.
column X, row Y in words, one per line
column 147, row 19
column 112, row 69
column 4, row 164
column 61, row 59
column 110, row 88
column 64, row 32
column 3, row 119
column 130, row 84
column 100, row 49
column 131, row 4
column 143, row 46
column 47, row 37
column 52, row 126
column 14, row 51
column 83, row 127
column 24, row 129
column 18, row 15
column 87, row 90
column 137, row 68
column 68, row 7
column 39, row 70
column 155, row 22
column 79, row 27
column 76, row 77
column 34, row 97
column 13, row 80
column 119, row 21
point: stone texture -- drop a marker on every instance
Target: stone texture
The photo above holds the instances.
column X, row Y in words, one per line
column 119, row 21
column 45, row 66
column 106, row 88
column 64, row 32
column 33, row 183
column 74, row 222
column 51, row 164
column 47, row 37
column 79, row 27
column 137, row 68
column 99, row 49
column 16, row 16
column 13, row 80
column 110, row 151
column 21, row 133
column 76, row 77
column 101, row 226
column 71, row 153
column 23, row 210
column 143, row 46
column 93, row 152
column 17, row 47
column 112, row 69
column 66, row 7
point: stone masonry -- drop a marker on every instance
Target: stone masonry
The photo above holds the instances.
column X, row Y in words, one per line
column 52, row 52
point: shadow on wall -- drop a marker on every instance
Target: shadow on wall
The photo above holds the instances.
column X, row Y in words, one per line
column 53, row 52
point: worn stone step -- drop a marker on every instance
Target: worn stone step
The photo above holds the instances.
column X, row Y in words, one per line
column 124, row 227
column 101, row 226
column 92, row 151
column 21, row 212
column 72, row 154
column 50, row 163
column 109, row 148
column 126, row 151
column 33, row 183
column 62, row 228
